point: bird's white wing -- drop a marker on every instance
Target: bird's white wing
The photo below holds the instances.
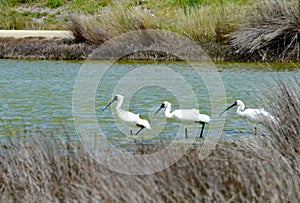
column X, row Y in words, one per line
column 258, row 115
column 268, row 116
column 133, row 119
column 128, row 117
column 190, row 115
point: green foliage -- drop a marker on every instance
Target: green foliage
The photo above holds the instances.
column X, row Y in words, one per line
column 88, row 6
column 195, row 3
column 16, row 2
column 14, row 20
column 54, row 3
column 34, row 14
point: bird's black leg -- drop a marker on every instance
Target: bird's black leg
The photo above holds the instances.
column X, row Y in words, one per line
column 201, row 133
column 131, row 132
column 255, row 130
column 142, row 127
column 186, row 136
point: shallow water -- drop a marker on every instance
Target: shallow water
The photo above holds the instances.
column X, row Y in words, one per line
column 39, row 95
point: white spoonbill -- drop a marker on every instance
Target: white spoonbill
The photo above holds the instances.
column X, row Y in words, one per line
column 185, row 115
column 256, row 115
column 128, row 117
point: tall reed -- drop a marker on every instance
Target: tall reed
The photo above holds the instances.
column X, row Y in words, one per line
column 285, row 137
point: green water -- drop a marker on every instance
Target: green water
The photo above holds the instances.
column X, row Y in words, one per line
column 38, row 95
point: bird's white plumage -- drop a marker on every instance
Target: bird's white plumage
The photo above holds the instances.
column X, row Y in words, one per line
column 128, row 117
column 257, row 115
column 185, row 115
column 190, row 115
column 132, row 119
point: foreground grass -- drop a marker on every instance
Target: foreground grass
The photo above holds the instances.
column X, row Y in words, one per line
column 40, row 171
column 264, row 169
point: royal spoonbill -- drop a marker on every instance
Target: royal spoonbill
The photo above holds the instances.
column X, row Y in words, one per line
column 256, row 115
column 128, row 117
column 187, row 116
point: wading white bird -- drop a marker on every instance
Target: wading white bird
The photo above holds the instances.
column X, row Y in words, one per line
column 256, row 115
column 188, row 116
column 131, row 119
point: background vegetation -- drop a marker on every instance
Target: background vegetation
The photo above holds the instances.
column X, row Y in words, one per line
column 239, row 30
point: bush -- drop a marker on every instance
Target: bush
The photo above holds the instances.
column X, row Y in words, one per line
column 270, row 31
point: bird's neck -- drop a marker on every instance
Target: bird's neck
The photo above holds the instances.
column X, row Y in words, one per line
column 119, row 104
column 168, row 113
column 240, row 109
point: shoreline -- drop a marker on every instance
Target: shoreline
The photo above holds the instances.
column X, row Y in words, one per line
column 62, row 45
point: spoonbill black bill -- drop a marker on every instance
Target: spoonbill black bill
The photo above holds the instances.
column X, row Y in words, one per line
column 131, row 119
column 187, row 116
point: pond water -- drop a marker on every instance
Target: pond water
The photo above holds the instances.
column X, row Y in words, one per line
column 39, row 95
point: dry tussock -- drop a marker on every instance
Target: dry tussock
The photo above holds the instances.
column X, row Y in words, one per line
column 270, row 31
column 100, row 28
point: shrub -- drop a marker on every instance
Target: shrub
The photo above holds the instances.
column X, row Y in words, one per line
column 270, row 31
column 87, row 29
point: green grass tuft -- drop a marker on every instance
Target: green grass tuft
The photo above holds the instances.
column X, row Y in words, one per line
column 54, row 3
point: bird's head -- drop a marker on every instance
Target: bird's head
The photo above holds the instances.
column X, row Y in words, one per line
column 239, row 103
column 165, row 104
column 232, row 105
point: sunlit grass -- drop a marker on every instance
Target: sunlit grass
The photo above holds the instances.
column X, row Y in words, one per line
column 199, row 19
column 204, row 23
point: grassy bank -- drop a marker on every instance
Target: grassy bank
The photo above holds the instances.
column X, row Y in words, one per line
column 265, row 169
column 234, row 30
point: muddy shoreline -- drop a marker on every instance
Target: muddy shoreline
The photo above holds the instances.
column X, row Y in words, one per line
column 57, row 48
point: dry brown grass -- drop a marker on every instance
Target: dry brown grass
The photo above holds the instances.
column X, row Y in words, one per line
column 33, row 48
column 45, row 170
column 285, row 137
column 85, row 29
column 116, row 21
column 269, row 32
